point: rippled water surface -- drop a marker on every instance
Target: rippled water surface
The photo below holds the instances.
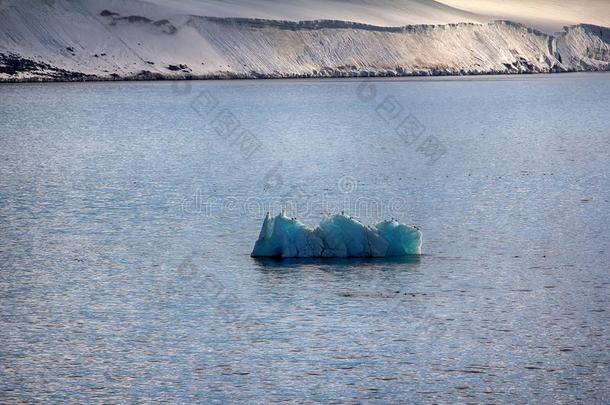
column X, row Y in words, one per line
column 128, row 212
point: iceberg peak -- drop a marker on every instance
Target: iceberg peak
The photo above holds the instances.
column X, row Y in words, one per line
column 337, row 235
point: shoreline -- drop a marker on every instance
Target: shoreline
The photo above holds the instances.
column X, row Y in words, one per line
column 236, row 77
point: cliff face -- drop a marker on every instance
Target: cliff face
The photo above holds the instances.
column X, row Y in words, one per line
column 65, row 41
column 335, row 48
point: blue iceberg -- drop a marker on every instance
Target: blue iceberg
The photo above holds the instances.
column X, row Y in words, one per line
column 336, row 236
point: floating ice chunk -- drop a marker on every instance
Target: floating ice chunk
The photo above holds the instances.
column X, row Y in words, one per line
column 285, row 237
column 336, row 236
column 402, row 239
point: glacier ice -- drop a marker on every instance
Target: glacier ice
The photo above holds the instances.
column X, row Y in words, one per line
column 336, row 236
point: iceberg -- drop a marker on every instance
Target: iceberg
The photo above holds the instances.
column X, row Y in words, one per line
column 337, row 236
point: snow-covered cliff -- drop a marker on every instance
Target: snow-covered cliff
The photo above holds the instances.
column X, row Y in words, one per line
column 67, row 40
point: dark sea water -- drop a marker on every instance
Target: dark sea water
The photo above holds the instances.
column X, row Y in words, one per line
column 128, row 212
